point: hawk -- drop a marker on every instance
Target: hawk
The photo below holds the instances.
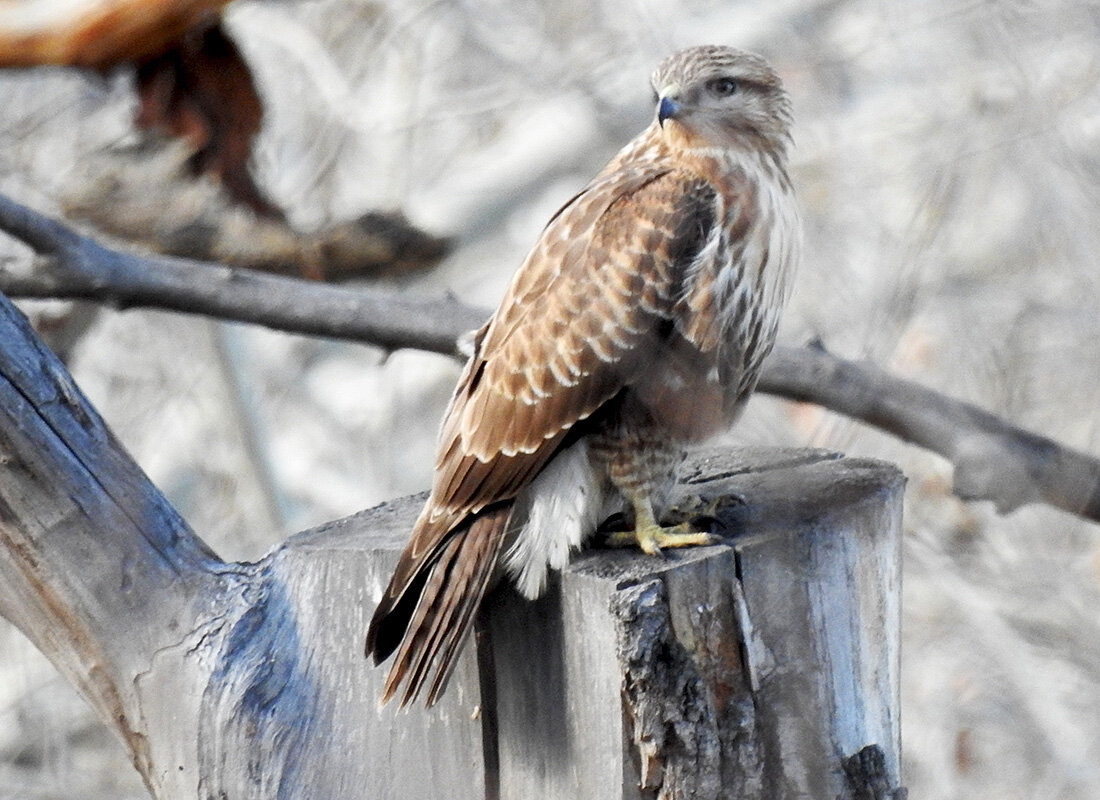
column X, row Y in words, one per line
column 636, row 326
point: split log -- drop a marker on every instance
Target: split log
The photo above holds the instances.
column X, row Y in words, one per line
column 763, row 668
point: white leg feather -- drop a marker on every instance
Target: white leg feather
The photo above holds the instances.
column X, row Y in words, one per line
column 556, row 512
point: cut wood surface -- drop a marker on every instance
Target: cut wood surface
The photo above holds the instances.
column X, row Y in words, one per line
column 755, row 669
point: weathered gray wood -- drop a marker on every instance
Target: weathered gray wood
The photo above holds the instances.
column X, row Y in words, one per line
column 87, row 544
column 751, row 670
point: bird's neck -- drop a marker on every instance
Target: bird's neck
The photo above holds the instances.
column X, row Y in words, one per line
column 721, row 163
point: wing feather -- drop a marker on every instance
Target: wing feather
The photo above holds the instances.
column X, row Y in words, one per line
column 578, row 324
column 569, row 335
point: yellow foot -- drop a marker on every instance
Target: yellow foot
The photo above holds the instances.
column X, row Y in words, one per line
column 653, row 538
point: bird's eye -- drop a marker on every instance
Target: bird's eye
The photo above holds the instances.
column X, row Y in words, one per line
column 722, row 87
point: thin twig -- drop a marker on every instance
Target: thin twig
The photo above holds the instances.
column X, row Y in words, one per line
column 993, row 459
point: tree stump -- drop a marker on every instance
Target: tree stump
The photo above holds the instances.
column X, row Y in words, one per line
column 763, row 668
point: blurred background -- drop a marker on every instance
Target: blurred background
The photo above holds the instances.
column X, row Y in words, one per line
column 948, row 162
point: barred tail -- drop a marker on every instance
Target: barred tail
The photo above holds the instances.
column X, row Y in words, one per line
column 429, row 622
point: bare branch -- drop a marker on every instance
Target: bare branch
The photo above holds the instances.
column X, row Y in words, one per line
column 149, row 196
column 993, row 459
column 45, row 235
column 79, row 268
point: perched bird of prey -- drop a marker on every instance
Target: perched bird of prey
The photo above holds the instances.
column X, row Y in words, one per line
column 636, row 325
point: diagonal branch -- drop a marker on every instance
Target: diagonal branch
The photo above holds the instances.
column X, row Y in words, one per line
column 79, row 268
column 993, row 459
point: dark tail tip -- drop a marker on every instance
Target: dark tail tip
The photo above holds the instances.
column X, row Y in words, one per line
column 391, row 620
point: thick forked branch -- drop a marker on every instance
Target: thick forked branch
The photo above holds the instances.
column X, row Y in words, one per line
column 993, row 460
column 86, row 540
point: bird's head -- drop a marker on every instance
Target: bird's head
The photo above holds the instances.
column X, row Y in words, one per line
column 714, row 96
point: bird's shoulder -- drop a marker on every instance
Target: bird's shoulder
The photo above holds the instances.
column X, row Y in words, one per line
column 576, row 326
column 627, row 229
column 581, row 315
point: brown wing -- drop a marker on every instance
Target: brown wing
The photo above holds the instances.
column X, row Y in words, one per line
column 574, row 329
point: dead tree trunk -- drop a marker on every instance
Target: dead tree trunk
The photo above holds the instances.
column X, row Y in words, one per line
column 765, row 668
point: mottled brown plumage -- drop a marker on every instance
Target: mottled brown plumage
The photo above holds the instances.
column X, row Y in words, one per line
column 637, row 325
